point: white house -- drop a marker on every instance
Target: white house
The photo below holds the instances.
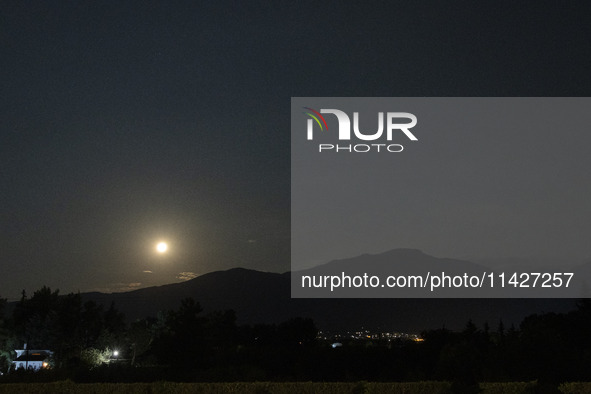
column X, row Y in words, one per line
column 32, row 359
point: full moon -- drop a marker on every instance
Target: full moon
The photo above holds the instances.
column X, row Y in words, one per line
column 161, row 247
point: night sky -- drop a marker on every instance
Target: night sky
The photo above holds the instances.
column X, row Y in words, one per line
column 127, row 123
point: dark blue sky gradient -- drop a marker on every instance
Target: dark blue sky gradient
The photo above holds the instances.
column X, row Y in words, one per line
column 127, row 122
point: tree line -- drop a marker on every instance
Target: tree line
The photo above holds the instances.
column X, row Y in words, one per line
column 84, row 335
column 186, row 344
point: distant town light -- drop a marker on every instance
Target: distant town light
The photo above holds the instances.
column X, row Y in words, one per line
column 116, row 353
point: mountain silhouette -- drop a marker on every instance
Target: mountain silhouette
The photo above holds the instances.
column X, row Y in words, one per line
column 265, row 297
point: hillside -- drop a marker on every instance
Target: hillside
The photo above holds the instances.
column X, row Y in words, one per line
column 264, row 297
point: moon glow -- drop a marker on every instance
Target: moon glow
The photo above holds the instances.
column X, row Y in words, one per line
column 162, row 247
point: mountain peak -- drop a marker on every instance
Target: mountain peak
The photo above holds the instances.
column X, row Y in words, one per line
column 404, row 252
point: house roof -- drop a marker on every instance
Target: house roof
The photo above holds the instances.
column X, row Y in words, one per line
column 22, row 352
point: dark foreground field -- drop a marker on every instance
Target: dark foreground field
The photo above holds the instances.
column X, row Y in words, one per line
column 291, row 387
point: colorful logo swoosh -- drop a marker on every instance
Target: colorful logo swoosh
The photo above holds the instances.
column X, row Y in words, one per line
column 315, row 116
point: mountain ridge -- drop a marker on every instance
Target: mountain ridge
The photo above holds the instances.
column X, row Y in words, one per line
column 260, row 297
